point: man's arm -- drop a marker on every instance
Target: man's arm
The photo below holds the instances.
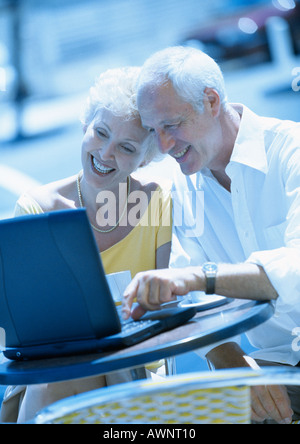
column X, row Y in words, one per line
column 245, row 281
column 154, row 287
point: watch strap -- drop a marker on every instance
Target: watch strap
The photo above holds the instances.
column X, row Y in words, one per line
column 210, row 284
column 210, row 271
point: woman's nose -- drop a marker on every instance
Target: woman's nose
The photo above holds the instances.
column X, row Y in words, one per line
column 107, row 151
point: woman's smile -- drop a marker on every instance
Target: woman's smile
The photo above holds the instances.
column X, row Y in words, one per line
column 100, row 167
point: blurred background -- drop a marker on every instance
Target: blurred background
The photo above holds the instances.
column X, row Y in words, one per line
column 51, row 51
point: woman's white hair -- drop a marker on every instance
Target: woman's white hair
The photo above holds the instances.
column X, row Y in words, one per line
column 190, row 70
column 115, row 90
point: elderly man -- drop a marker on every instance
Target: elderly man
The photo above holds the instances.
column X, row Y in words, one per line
column 248, row 169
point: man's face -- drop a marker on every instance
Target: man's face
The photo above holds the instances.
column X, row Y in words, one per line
column 183, row 133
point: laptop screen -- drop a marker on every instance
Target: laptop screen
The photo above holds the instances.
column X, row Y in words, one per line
column 52, row 282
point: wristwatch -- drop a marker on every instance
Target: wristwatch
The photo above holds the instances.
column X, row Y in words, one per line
column 210, row 270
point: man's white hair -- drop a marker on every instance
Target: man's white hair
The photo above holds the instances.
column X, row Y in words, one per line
column 190, row 71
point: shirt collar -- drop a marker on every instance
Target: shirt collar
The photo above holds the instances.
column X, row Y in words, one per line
column 249, row 147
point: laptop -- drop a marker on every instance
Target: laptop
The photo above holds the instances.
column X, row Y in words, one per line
column 54, row 296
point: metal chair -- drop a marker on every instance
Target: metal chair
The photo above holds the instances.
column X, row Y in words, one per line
column 219, row 397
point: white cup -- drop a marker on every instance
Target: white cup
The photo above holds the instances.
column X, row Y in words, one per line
column 117, row 283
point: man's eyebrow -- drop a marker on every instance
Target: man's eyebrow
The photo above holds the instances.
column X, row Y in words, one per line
column 164, row 122
column 171, row 119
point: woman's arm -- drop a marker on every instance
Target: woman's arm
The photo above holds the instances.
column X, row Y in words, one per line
column 163, row 255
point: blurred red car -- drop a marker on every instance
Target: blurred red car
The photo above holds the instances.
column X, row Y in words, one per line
column 241, row 39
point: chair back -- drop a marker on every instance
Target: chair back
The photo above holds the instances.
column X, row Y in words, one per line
column 218, row 397
column 180, row 399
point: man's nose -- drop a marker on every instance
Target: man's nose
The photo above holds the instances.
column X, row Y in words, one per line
column 165, row 141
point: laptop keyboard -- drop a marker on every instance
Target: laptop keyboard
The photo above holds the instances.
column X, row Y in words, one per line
column 133, row 328
column 129, row 326
column 134, row 325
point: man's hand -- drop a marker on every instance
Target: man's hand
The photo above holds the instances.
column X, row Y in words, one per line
column 155, row 287
column 271, row 402
column 267, row 402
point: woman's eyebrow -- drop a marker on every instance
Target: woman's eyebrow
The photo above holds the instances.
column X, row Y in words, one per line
column 100, row 122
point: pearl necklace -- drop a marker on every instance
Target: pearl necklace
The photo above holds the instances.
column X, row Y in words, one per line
column 81, row 204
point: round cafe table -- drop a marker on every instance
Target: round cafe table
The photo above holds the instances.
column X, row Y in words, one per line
column 204, row 329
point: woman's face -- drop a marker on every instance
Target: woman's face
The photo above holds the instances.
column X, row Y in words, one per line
column 112, row 148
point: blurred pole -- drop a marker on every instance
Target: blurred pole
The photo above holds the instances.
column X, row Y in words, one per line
column 280, row 41
column 21, row 92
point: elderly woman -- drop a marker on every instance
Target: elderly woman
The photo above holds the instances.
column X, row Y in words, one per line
column 114, row 146
column 130, row 217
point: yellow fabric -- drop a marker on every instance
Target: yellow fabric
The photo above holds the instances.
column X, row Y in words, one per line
column 137, row 251
column 27, row 205
column 224, row 405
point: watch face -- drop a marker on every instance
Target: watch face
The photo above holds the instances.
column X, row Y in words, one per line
column 210, row 266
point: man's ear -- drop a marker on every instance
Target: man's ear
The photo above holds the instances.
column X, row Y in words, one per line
column 213, row 100
column 144, row 163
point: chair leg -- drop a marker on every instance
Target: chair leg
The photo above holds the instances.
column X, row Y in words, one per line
column 170, row 365
column 138, row 373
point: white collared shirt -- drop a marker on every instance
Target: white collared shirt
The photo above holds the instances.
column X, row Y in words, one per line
column 259, row 221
